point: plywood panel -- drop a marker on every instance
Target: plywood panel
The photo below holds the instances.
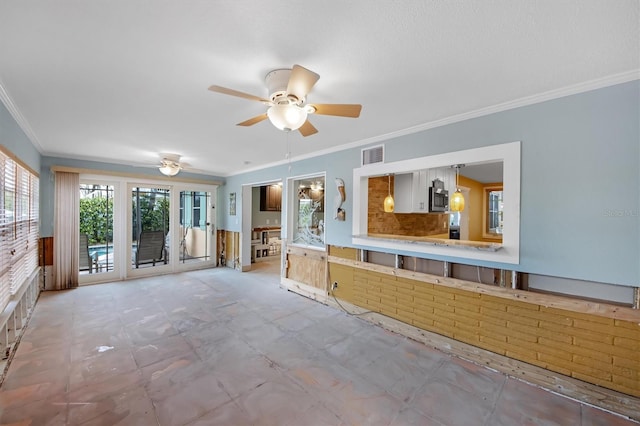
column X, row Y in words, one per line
column 307, row 269
column 344, row 252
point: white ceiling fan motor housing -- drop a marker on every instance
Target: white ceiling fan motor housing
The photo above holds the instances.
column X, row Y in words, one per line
column 277, row 82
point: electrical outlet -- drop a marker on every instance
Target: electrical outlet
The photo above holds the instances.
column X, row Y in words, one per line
column 334, row 285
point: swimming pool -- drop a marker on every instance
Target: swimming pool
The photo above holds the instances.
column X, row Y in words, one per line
column 97, row 251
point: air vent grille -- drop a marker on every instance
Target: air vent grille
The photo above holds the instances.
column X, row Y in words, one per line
column 373, row 155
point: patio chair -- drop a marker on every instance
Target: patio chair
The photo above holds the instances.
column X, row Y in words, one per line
column 150, row 248
column 85, row 261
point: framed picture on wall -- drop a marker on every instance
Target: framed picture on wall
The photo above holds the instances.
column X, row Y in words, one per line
column 232, row 204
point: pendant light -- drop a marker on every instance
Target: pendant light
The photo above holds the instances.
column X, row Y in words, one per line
column 457, row 199
column 388, row 201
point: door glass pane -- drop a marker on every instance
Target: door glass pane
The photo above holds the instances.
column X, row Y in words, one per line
column 195, row 227
column 96, row 228
column 309, row 212
column 150, row 227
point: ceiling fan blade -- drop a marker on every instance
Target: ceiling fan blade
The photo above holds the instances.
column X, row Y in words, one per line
column 307, row 129
column 232, row 92
column 341, row 110
column 301, row 81
column 254, row 120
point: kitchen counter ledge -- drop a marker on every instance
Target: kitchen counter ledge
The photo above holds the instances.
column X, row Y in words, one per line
column 412, row 239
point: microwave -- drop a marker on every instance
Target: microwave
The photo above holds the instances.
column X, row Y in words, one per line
column 438, row 200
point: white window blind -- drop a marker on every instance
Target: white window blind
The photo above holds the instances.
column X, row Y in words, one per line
column 7, row 191
column 19, row 220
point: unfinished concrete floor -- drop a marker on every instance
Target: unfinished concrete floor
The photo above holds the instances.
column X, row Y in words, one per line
column 217, row 347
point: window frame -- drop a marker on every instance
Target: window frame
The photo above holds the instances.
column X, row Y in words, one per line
column 486, row 209
column 508, row 251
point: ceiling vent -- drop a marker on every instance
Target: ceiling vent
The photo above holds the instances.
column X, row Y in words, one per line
column 373, row 155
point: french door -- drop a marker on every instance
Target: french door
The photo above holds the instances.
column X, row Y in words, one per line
column 130, row 229
column 98, row 221
column 172, row 228
column 150, row 226
column 196, row 236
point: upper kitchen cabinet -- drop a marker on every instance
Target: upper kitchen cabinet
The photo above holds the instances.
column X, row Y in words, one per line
column 424, row 191
column 410, row 192
column 271, row 198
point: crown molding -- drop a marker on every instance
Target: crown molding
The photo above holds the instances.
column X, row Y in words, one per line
column 143, row 177
column 574, row 89
column 19, row 118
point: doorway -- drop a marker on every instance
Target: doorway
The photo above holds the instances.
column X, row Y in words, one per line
column 262, row 231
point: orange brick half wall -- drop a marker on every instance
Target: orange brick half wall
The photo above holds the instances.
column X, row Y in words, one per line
column 597, row 349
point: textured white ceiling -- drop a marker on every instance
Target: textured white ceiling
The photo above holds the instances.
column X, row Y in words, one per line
column 123, row 80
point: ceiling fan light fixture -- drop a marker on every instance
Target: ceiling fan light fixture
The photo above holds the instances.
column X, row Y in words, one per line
column 287, row 117
column 169, row 168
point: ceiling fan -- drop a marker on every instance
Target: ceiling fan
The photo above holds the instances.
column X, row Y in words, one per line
column 288, row 110
column 170, row 164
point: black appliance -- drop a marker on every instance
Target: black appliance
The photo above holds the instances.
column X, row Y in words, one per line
column 454, row 232
column 438, row 197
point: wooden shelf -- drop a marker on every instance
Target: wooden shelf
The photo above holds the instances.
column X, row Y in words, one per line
column 265, row 243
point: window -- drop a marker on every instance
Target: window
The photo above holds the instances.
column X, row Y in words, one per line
column 19, row 221
column 308, row 214
column 493, row 212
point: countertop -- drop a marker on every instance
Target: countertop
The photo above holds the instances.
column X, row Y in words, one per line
column 430, row 240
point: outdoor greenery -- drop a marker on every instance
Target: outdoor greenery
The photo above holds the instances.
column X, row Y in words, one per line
column 96, row 219
column 96, row 216
column 154, row 213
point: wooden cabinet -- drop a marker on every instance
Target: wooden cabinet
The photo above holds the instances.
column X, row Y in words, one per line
column 411, row 192
column 271, row 198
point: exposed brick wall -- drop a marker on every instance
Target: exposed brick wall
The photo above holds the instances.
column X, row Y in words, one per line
column 592, row 348
column 417, row 224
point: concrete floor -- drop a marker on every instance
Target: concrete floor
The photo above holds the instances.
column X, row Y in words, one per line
column 217, row 347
